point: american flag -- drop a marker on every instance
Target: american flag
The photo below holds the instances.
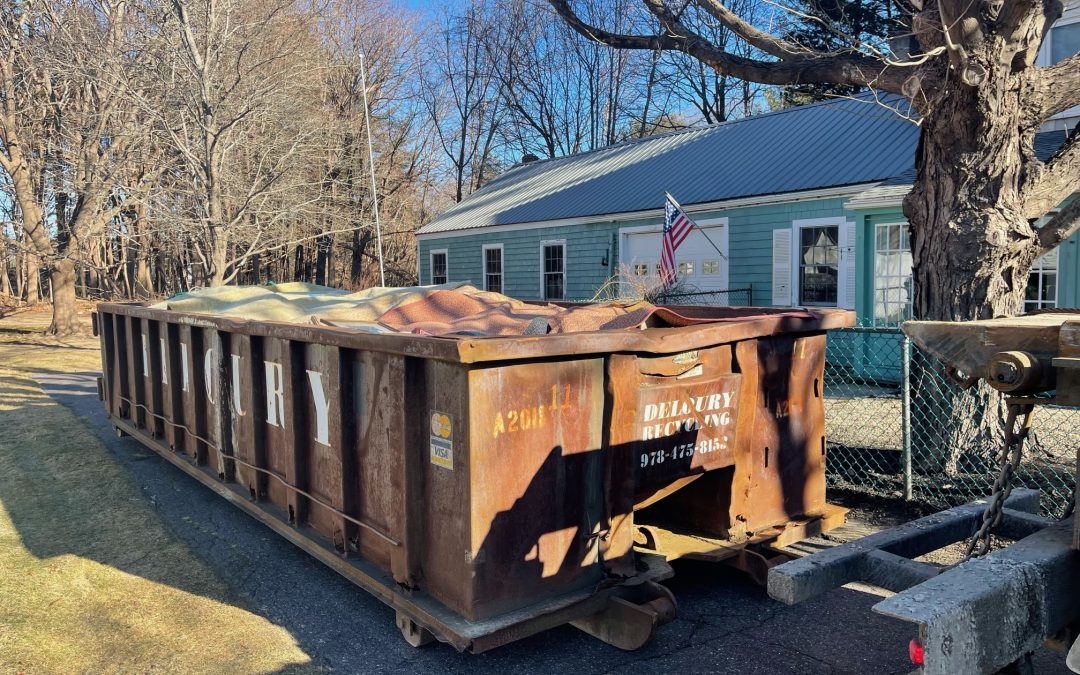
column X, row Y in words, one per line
column 677, row 226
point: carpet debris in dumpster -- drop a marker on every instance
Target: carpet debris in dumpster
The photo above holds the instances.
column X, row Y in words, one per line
column 450, row 310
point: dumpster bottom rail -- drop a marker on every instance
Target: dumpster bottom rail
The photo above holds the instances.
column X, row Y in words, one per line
column 976, row 617
column 622, row 613
column 755, row 555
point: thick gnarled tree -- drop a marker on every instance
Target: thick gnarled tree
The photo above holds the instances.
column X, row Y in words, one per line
column 981, row 99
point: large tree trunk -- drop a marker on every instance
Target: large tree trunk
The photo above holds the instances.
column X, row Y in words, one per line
column 33, row 279
column 64, row 319
column 144, row 284
column 219, row 257
column 972, row 249
column 5, row 280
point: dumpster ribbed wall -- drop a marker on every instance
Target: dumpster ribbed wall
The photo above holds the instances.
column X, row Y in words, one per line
column 477, row 484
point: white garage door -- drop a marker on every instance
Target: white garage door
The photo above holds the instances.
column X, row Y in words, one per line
column 698, row 263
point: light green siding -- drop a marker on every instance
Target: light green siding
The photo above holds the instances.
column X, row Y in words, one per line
column 750, row 230
column 587, row 247
column 749, row 242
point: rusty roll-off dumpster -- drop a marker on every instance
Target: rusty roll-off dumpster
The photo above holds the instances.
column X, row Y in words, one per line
column 488, row 488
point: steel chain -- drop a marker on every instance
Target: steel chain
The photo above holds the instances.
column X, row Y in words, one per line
column 1009, row 462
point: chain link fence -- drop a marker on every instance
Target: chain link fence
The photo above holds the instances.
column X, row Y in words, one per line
column 897, row 426
column 730, row 297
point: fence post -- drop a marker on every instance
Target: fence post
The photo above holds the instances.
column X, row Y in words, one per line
column 905, row 411
column 750, row 296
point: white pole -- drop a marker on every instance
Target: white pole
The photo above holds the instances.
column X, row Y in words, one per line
column 371, row 169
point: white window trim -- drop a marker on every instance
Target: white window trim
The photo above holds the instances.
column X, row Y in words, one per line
column 502, row 265
column 565, row 258
column 1041, row 270
column 431, row 263
column 796, row 237
column 720, row 223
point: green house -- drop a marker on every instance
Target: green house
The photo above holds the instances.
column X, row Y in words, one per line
column 801, row 207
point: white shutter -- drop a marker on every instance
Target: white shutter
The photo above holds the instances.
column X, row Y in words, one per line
column 781, row 267
column 846, row 276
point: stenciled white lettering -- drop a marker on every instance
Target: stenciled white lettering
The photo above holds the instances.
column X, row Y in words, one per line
column 236, row 385
column 208, row 373
column 318, row 397
column 164, row 363
column 145, row 355
column 275, row 395
column 668, row 418
column 185, row 367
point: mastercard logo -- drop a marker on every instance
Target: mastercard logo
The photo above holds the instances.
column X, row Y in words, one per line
column 440, row 425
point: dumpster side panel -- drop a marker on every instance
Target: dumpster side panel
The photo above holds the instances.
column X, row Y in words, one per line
column 379, row 413
column 172, row 383
column 537, row 475
column 787, row 444
column 439, row 514
column 680, row 413
column 249, row 445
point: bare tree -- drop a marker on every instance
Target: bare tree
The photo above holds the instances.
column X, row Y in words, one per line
column 460, row 92
column 65, row 127
column 234, row 112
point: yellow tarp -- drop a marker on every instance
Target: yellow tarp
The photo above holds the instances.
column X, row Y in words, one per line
column 448, row 309
column 298, row 302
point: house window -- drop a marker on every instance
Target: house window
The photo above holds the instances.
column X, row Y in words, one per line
column 554, row 271
column 1042, row 284
column 686, row 269
column 493, row 268
column 819, row 255
column 892, row 273
column 1064, row 41
column 641, row 270
column 710, row 267
column 438, row 267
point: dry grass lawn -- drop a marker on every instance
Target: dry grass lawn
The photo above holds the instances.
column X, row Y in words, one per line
column 91, row 579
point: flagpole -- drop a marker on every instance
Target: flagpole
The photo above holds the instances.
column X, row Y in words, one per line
column 699, row 228
column 371, row 170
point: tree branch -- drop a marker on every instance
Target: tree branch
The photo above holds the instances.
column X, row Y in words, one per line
column 766, row 42
column 1059, row 228
column 811, row 68
column 1050, row 182
column 1060, row 86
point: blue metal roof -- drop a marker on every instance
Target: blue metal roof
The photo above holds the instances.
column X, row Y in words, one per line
column 830, row 144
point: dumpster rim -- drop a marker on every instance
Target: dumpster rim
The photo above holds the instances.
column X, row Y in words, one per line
column 479, row 350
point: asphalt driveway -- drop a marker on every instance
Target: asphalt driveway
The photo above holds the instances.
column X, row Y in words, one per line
column 725, row 623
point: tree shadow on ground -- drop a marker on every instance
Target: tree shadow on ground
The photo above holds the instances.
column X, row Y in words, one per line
column 92, row 579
